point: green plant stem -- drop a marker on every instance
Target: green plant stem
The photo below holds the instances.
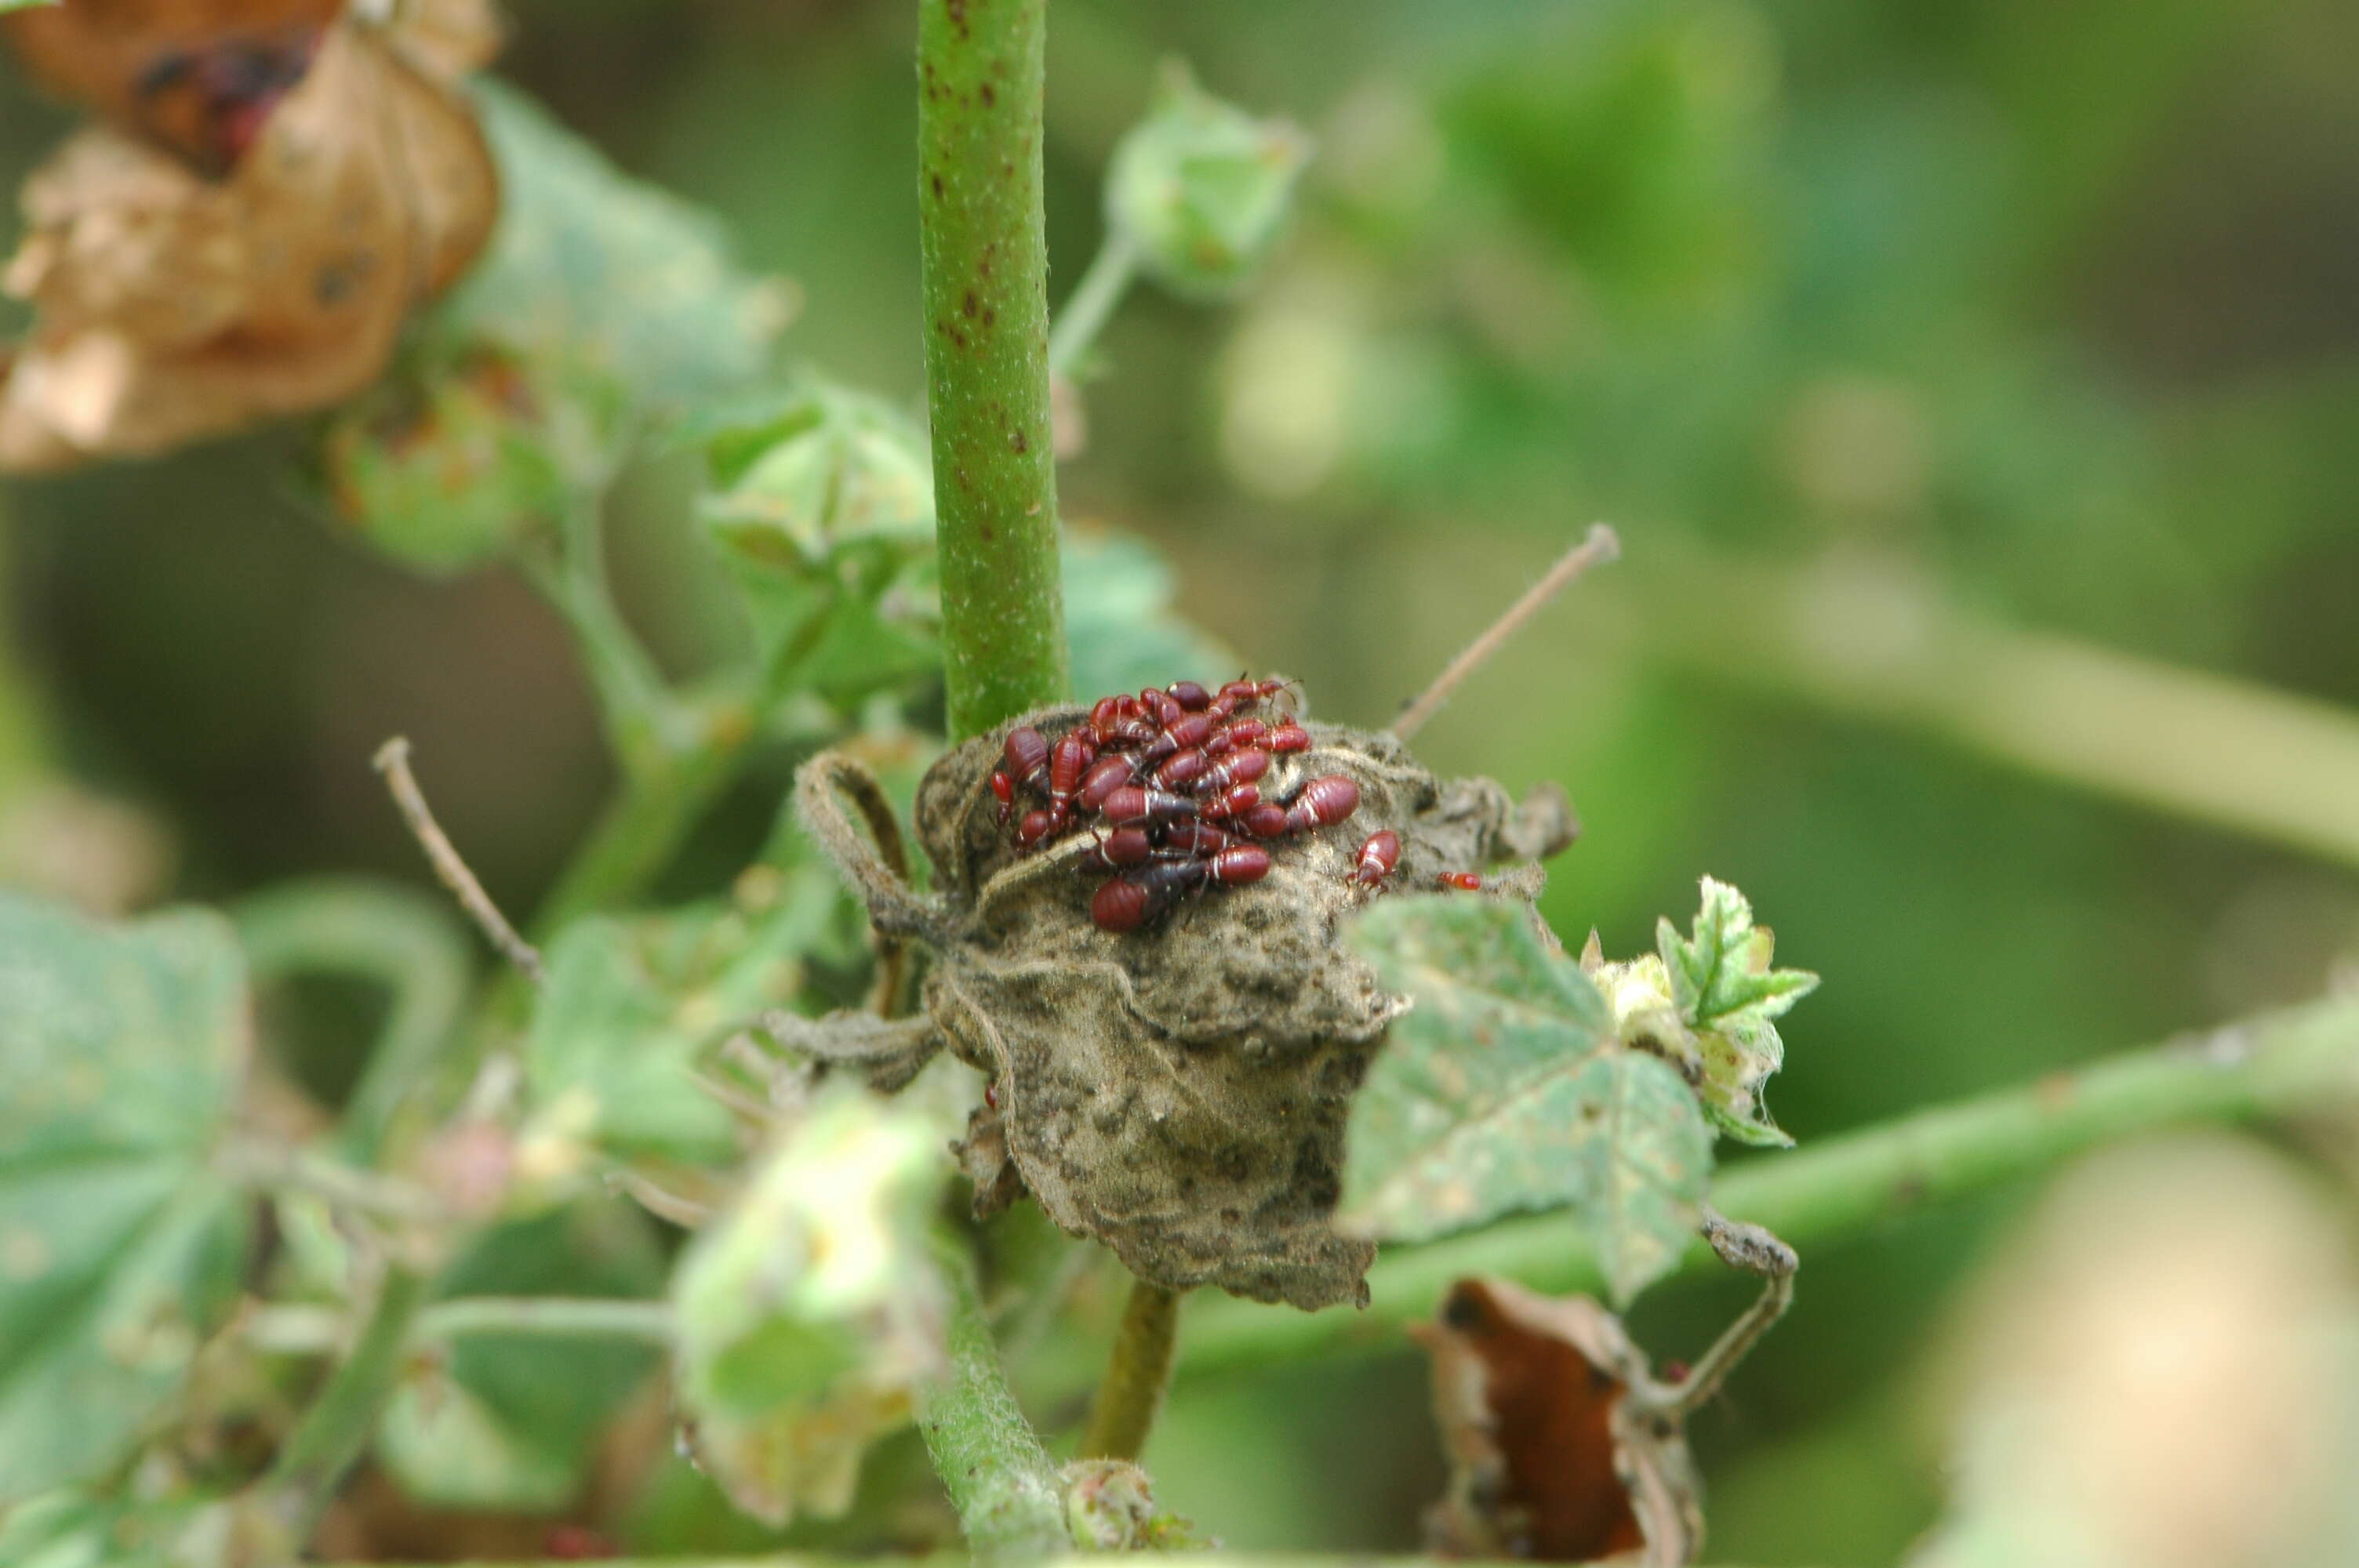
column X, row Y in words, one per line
column 302, row 1329
column 1842, row 1188
column 333, row 1432
column 393, row 936
column 632, row 695
column 1092, row 302
column 985, row 263
column 998, row 1476
column 677, row 752
column 659, row 802
column 1132, row 1390
column 547, row 1317
column 1859, row 641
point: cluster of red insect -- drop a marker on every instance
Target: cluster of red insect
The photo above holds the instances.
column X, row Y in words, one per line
column 1172, row 785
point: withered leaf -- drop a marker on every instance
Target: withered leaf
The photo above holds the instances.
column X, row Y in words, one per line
column 173, row 306
column 1561, row 1447
column 1180, row 1093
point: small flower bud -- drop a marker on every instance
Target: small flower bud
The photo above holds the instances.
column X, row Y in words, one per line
column 1201, row 189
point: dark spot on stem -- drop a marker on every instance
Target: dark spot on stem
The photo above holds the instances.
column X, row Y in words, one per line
column 937, row 181
column 1016, row 439
column 969, row 304
column 989, row 95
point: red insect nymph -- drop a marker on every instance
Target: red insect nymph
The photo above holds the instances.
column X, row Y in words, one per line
column 1378, row 858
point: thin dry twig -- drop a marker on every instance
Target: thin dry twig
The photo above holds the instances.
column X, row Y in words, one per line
column 1599, row 545
column 393, row 761
column 1756, row 1251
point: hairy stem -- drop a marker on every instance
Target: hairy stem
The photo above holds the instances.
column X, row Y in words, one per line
column 1092, row 302
column 1132, row 1390
column 2281, row 1064
column 397, row 937
column 985, row 260
column 1879, row 645
column 333, row 1432
column 998, row 1476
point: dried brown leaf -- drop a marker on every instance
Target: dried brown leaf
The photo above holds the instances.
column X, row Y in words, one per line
column 1562, row 1447
column 172, row 306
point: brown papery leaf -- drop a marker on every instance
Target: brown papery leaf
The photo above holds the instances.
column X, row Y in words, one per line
column 182, row 296
column 195, row 77
column 1560, row 1450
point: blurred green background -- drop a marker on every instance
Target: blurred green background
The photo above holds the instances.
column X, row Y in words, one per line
column 1879, row 330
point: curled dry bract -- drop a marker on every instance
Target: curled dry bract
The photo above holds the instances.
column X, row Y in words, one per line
column 1178, row 1092
column 174, row 304
column 1563, row 1446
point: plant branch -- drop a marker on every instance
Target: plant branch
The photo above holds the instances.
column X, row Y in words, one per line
column 1753, row 1249
column 632, row 697
column 676, row 752
column 1842, row 1188
column 1597, row 546
column 1092, row 302
column 333, row 1432
column 998, row 1476
column 398, row 938
column 985, row 263
column 660, row 801
column 1871, row 643
column 1132, row 1390
column 393, row 761
column 548, row 1317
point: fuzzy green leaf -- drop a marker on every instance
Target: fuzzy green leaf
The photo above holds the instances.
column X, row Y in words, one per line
column 73, row 1528
column 1721, row 983
column 600, row 303
column 512, row 1420
column 809, row 1313
column 120, row 1050
column 1120, row 622
column 822, row 501
column 629, row 1003
column 1505, row 1088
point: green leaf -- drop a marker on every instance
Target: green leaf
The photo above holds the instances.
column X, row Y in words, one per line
column 445, row 470
column 74, row 1528
column 819, row 471
column 1202, row 189
column 512, row 1420
column 600, row 304
column 121, row 1052
column 630, row 1002
column 1720, row 981
column 1120, row 623
column 810, row 1313
column 822, row 501
column 1505, row 1088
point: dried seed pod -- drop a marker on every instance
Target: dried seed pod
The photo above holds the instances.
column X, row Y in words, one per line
column 243, row 239
column 1180, row 1093
column 1175, row 1087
